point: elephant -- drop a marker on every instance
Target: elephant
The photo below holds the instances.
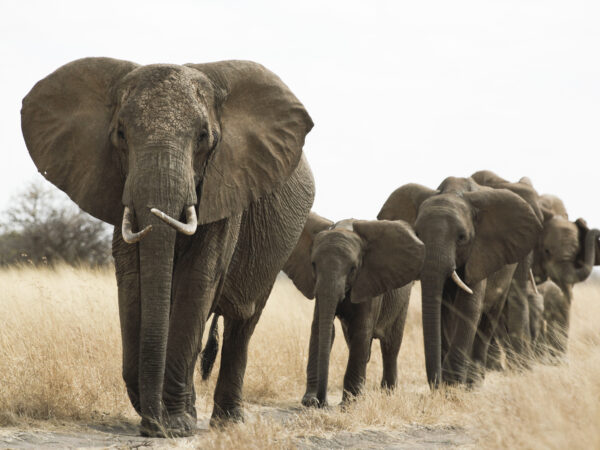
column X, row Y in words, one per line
column 205, row 161
column 521, row 316
column 360, row 271
column 566, row 254
column 470, row 232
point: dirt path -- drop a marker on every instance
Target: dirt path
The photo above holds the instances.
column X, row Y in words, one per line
column 126, row 435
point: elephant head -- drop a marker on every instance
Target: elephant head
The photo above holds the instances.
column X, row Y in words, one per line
column 470, row 232
column 567, row 251
column 143, row 146
column 355, row 260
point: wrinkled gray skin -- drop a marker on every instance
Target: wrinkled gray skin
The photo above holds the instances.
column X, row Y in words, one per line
column 551, row 344
column 520, row 319
column 356, row 270
column 481, row 233
column 222, row 138
column 566, row 255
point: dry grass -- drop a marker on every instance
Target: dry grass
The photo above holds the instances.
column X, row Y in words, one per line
column 60, row 367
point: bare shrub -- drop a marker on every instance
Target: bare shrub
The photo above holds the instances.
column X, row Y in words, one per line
column 42, row 226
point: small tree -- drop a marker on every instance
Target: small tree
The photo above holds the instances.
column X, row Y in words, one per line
column 42, row 226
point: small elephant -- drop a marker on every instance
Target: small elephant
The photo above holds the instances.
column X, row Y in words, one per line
column 472, row 232
column 566, row 255
column 206, row 162
column 361, row 272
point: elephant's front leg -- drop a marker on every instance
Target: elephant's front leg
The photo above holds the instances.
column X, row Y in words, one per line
column 128, row 282
column 360, row 334
column 199, row 272
column 468, row 308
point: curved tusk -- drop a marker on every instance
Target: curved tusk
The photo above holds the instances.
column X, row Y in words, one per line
column 532, row 280
column 128, row 235
column 188, row 228
column 460, row 283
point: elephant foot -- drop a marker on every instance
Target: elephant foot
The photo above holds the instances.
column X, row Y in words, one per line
column 311, row 400
column 180, row 425
column 221, row 417
column 388, row 385
column 349, row 397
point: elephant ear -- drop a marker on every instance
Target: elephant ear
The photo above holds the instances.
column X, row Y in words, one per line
column 488, row 178
column 506, row 230
column 583, row 230
column 263, row 126
column 554, row 204
column 298, row 266
column 66, row 120
column 393, row 257
column 523, row 188
column 404, row 202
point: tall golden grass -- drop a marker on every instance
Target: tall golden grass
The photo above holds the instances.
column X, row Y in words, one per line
column 60, row 365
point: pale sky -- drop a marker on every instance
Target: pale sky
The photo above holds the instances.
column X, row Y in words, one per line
column 399, row 91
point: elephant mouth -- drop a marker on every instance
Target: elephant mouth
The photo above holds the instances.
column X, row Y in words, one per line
column 131, row 237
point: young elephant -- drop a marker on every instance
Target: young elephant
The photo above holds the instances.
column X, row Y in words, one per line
column 566, row 255
column 354, row 269
column 471, row 232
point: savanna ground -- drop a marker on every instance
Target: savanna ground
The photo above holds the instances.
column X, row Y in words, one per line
column 60, row 382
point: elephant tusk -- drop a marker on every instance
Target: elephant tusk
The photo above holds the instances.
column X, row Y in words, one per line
column 128, row 235
column 532, row 280
column 460, row 283
column 188, row 228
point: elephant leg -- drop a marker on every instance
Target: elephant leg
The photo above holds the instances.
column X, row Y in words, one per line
column 485, row 330
column 310, row 396
column 360, row 336
column 467, row 312
column 389, row 354
column 197, row 281
column 128, row 283
column 234, row 356
column 494, row 355
column 518, row 348
column 390, row 347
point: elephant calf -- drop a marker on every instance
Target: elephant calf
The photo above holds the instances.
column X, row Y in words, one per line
column 361, row 272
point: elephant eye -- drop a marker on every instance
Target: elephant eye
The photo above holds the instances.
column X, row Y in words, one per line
column 462, row 238
column 352, row 271
column 121, row 135
column 202, row 136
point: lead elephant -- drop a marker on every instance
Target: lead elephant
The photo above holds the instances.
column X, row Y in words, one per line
column 471, row 232
column 565, row 255
column 356, row 269
column 143, row 146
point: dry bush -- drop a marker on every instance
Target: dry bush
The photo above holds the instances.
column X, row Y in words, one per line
column 60, row 362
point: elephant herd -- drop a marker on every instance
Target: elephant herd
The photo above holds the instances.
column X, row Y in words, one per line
column 201, row 170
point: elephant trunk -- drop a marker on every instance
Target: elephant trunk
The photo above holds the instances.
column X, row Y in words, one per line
column 589, row 255
column 433, row 278
column 157, row 180
column 327, row 305
column 156, row 253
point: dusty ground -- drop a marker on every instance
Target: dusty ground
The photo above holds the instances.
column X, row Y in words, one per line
column 60, row 382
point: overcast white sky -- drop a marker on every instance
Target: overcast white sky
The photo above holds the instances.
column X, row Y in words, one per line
column 399, row 91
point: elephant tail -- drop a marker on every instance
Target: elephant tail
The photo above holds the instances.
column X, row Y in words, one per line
column 209, row 354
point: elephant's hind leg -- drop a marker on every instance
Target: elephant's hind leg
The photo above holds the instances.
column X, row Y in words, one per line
column 234, row 356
